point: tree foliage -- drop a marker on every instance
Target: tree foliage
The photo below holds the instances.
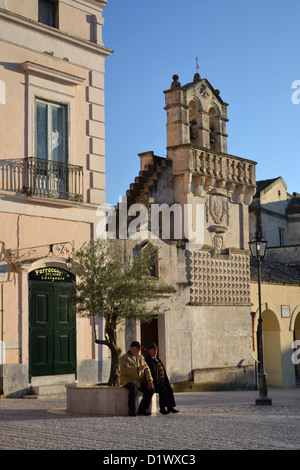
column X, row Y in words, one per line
column 115, row 287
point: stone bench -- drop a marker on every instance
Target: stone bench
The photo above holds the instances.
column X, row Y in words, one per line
column 93, row 399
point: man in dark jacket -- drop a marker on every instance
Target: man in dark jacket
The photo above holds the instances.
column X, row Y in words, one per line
column 161, row 381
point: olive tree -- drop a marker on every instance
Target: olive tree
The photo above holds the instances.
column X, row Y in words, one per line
column 115, row 288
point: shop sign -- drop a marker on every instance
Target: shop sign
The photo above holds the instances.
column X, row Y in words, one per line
column 51, row 274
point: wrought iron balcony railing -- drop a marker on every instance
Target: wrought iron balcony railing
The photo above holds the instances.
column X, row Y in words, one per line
column 43, row 178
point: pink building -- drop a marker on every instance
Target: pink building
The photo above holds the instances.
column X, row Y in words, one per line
column 52, row 180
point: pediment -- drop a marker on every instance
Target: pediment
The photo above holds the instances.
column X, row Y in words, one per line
column 203, row 89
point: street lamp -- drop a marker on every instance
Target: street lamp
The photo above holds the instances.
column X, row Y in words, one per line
column 258, row 249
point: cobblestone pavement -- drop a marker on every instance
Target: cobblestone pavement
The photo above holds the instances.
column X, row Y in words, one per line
column 207, row 421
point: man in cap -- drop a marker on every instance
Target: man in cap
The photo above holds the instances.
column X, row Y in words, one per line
column 161, row 381
column 135, row 375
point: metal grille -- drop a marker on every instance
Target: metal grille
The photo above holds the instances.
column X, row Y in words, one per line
column 47, row 178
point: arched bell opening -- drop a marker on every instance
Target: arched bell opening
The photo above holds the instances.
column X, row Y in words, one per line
column 195, row 123
column 214, row 129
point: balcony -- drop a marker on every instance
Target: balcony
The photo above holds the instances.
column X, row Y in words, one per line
column 42, row 178
column 223, row 166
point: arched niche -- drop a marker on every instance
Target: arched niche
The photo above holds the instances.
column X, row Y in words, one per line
column 214, row 128
column 153, row 269
column 195, row 122
column 294, row 316
column 272, row 348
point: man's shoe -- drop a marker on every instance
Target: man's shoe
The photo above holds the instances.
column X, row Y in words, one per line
column 144, row 413
column 131, row 413
column 163, row 411
column 172, row 410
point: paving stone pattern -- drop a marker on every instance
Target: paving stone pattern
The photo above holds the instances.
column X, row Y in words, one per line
column 207, row 421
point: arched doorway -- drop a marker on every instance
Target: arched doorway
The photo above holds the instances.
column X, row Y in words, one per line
column 52, row 327
column 272, row 349
column 297, row 338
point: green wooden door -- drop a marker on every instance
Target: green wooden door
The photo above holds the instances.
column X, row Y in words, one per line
column 64, row 350
column 52, row 344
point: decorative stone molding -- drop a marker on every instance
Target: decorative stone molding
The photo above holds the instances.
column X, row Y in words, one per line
column 51, row 74
column 214, row 172
column 218, row 242
column 219, row 281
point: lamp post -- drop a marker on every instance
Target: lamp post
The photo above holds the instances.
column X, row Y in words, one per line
column 258, row 248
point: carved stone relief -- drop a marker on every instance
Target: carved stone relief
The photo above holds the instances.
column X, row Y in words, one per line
column 218, row 209
column 217, row 214
column 218, row 243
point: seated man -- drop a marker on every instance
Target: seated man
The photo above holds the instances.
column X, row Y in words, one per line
column 135, row 375
column 161, row 381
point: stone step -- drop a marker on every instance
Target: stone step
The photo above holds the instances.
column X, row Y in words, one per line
column 47, row 391
column 58, row 396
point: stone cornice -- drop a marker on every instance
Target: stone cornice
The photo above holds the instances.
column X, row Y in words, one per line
column 53, row 32
column 37, row 69
column 227, row 155
column 95, row 4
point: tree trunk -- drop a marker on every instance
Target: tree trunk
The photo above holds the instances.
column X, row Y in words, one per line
column 115, row 366
column 111, row 336
column 111, row 341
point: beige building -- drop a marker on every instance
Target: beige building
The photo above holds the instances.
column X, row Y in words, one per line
column 275, row 214
column 280, row 303
column 52, row 179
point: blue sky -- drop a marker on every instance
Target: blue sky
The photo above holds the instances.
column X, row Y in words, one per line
column 250, row 51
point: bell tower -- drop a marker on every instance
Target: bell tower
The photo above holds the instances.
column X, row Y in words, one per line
column 196, row 115
column 203, row 172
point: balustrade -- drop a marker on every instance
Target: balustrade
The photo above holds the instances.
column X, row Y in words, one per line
column 44, row 178
column 223, row 166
